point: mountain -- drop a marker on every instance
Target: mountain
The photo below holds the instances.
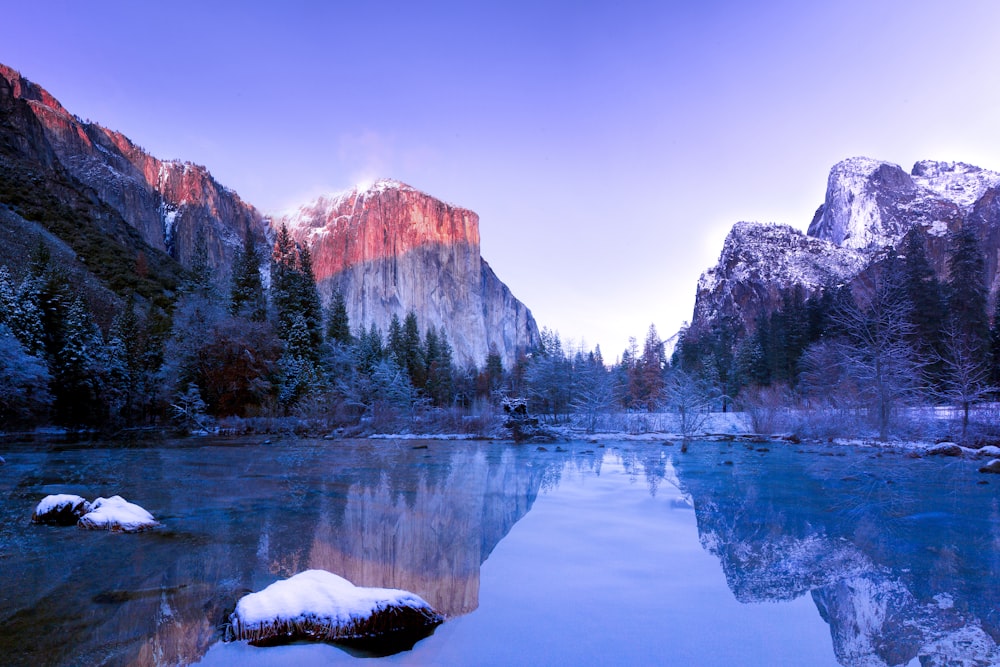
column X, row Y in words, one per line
column 390, row 248
column 167, row 203
column 869, row 206
column 119, row 219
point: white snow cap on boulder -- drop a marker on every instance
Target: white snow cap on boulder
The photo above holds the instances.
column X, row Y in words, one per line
column 322, row 606
column 117, row 515
column 62, row 509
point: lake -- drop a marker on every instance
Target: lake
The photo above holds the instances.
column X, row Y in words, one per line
column 605, row 553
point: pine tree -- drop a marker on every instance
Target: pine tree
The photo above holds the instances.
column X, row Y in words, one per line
column 924, row 295
column 200, row 273
column 309, row 304
column 338, row 327
column 967, row 292
column 413, row 354
column 247, row 291
column 371, row 351
column 75, row 382
column 439, row 373
column 283, row 280
column 24, row 382
column 394, row 342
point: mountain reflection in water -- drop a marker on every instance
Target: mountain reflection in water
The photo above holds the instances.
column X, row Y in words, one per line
column 900, row 556
column 237, row 516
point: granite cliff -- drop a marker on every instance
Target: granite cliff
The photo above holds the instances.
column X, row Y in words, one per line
column 169, row 203
column 390, row 249
column 869, row 207
column 112, row 213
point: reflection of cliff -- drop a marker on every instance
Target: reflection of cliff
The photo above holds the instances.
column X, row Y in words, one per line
column 901, row 557
column 434, row 540
column 235, row 519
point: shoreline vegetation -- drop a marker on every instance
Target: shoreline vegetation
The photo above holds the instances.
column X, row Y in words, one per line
column 928, row 431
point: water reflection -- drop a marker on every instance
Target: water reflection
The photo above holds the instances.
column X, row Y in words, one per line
column 236, row 517
column 900, row 556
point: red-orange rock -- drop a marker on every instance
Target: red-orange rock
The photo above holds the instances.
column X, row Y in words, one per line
column 391, row 248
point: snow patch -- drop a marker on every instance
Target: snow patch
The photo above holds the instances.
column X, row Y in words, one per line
column 937, row 228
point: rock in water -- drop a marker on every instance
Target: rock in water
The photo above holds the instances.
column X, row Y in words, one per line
column 993, row 466
column 317, row 605
column 117, row 515
column 62, row 509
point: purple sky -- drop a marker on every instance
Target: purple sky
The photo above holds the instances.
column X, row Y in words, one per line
column 607, row 148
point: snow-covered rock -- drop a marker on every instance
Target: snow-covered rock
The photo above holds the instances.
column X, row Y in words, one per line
column 989, row 450
column 761, row 261
column 320, row 606
column 944, row 449
column 62, row 509
column 117, row 515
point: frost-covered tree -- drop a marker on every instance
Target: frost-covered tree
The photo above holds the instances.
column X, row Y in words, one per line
column 338, row 326
column 76, row 369
column 439, row 371
column 24, row 382
column 690, row 398
column 188, row 409
column 294, row 292
column 967, row 291
column 246, row 295
column 413, row 353
column 877, row 348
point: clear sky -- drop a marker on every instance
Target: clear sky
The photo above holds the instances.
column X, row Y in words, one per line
column 607, row 147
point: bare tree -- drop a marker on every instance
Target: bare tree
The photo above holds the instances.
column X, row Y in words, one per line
column 691, row 399
column 966, row 374
column 876, row 351
column 595, row 395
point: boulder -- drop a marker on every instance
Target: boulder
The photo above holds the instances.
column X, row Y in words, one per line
column 988, row 451
column 62, row 509
column 944, row 449
column 993, row 466
column 117, row 515
column 317, row 605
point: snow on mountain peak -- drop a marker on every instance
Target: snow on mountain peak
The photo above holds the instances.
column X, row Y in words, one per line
column 961, row 183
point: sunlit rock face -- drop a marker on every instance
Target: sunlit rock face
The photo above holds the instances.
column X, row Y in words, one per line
column 170, row 203
column 869, row 207
column 896, row 575
column 390, row 249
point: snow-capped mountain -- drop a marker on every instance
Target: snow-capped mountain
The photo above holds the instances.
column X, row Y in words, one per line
column 869, row 206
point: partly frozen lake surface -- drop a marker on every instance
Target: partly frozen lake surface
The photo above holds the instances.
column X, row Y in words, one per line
column 608, row 553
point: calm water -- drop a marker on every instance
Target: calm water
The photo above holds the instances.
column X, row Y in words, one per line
column 608, row 553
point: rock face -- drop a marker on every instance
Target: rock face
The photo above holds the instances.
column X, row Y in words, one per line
column 869, row 206
column 391, row 249
column 168, row 202
column 759, row 261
